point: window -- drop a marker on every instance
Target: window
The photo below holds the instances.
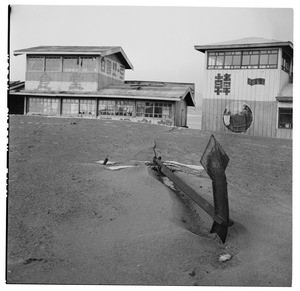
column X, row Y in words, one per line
column 106, row 107
column 122, row 72
column 43, row 106
column 286, row 63
column 88, row 64
column 108, row 67
column 285, row 118
column 53, row 64
column 103, row 62
column 87, row 107
column 70, row 106
column 140, row 108
column 220, row 60
column 124, row 108
column 82, row 64
column 35, row 64
column 115, row 66
column 154, row 109
column 245, row 59
column 263, row 59
column 70, row 64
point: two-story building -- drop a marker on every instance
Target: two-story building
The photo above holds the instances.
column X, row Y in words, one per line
column 248, row 88
column 90, row 82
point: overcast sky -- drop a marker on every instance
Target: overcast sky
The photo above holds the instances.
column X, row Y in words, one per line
column 159, row 41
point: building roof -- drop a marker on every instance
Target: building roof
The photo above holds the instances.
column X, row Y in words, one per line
column 286, row 93
column 16, row 85
column 78, row 50
column 250, row 42
column 152, row 90
column 142, row 90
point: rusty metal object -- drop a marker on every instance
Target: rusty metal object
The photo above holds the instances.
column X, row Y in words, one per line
column 214, row 160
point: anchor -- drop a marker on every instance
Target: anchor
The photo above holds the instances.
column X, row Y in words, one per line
column 214, row 160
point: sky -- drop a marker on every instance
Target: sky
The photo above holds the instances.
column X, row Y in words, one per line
column 159, row 41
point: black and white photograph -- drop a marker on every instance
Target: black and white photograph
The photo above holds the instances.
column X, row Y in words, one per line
column 149, row 145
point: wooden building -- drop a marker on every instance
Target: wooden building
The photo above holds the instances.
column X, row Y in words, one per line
column 248, row 87
column 90, row 82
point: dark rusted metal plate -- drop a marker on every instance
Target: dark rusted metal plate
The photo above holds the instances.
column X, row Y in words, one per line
column 213, row 158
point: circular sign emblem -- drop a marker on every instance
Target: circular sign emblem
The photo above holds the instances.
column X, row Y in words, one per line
column 237, row 116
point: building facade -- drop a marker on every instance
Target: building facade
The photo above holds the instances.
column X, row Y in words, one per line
column 248, row 87
column 90, row 82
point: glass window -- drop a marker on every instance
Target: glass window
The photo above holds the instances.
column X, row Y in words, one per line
column 124, row 108
column 264, row 58
column 35, row 64
column 236, row 61
column 106, row 107
column 285, row 118
column 53, row 64
column 220, row 60
column 70, row 107
column 149, row 109
column 87, row 107
column 122, row 72
column 254, row 60
column 286, row 63
column 273, row 59
column 88, row 64
column 211, row 60
column 108, row 67
column 228, row 60
column 140, row 108
column 154, row 109
column 70, row 64
column 245, row 59
column 103, row 62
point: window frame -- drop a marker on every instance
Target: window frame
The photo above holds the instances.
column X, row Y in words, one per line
column 241, row 56
column 282, row 124
column 158, row 109
column 286, row 62
column 35, row 57
column 53, row 57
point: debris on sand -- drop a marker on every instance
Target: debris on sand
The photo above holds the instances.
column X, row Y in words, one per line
column 174, row 163
column 224, row 257
column 168, row 182
column 192, row 273
column 107, row 162
column 115, row 168
column 30, row 260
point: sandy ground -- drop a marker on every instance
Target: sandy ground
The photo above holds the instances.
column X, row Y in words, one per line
column 73, row 221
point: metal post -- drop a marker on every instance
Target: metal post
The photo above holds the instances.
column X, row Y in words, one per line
column 215, row 160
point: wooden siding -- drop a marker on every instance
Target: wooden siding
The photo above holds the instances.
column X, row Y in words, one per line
column 284, row 133
column 239, row 87
column 264, row 116
column 61, row 81
column 73, row 81
column 259, row 97
column 284, row 78
column 104, row 81
column 180, row 113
